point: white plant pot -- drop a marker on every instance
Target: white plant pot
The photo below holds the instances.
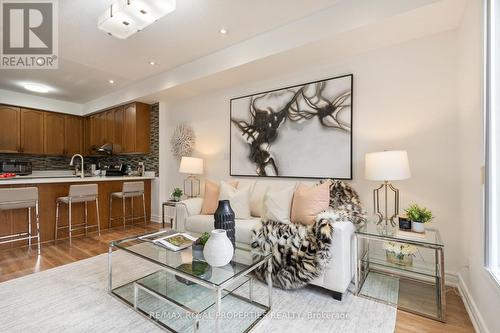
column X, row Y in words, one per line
column 218, row 250
column 417, row 227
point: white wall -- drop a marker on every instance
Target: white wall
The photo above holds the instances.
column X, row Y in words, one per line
column 38, row 102
column 481, row 291
column 405, row 98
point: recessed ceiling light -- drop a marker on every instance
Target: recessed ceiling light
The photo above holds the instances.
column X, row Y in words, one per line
column 111, row 82
column 36, row 88
column 152, row 63
column 223, row 31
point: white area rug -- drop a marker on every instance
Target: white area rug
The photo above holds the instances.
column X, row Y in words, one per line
column 73, row 298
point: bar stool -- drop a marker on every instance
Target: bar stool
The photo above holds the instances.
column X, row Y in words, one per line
column 129, row 190
column 21, row 198
column 78, row 194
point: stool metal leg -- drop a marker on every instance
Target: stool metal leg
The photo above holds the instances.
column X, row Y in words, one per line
column 69, row 220
column 37, row 218
column 57, row 221
column 86, row 220
column 29, row 227
column 144, row 208
column 110, row 210
column 97, row 215
column 123, row 210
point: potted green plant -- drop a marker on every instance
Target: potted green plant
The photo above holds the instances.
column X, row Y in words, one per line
column 199, row 244
column 418, row 216
column 176, row 194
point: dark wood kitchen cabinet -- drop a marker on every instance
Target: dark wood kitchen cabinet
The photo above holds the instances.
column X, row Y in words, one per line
column 54, row 133
column 37, row 132
column 74, row 135
column 118, row 130
column 136, row 128
column 10, row 129
column 97, row 130
column 32, row 132
column 87, row 147
column 109, row 127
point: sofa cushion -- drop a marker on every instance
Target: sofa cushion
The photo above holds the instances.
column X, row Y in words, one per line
column 211, row 196
column 205, row 223
column 278, row 203
column 244, row 229
column 309, row 202
column 199, row 223
column 239, row 198
column 259, row 191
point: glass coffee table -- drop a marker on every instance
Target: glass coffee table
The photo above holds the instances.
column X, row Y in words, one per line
column 181, row 292
column 413, row 281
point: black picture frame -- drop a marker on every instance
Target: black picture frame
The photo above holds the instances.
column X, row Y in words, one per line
column 351, row 76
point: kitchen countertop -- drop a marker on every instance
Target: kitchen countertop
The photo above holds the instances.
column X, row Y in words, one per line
column 65, row 178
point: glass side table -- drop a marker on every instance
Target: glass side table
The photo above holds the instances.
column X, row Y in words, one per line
column 172, row 217
column 405, row 270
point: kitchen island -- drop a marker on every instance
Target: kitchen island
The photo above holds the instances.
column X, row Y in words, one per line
column 50, row 188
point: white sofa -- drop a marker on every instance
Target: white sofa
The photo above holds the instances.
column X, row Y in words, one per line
column 337, row 275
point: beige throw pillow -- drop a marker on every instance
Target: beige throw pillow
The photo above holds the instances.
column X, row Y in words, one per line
column 277, row 204
column 238, row 198
column 309, row 202
column 211, row 197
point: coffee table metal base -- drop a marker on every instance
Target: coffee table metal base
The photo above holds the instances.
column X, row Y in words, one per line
column 209, row 309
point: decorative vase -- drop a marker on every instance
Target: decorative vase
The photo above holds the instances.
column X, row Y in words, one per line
column 417, row 227
column 224, row 219
column 218, row 250
column 399, row 259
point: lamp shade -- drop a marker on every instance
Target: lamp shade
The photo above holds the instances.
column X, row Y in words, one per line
column 387, row 165
column 191, row 165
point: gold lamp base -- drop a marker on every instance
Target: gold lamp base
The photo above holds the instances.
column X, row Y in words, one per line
column 384, row 217
column 192, row 186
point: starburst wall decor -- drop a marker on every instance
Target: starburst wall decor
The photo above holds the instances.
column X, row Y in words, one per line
column 182, row 141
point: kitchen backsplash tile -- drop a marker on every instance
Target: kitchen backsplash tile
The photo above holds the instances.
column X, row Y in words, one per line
column 151, row 160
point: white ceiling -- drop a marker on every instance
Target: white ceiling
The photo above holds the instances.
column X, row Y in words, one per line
column 89, row 58
column 345, row 29
column 310, row 59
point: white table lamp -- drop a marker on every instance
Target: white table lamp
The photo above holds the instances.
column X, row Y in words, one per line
column 387, row 166
column 191, row 166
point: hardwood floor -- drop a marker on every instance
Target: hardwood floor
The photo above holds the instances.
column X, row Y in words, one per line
column 457, row 318
column 19, row 262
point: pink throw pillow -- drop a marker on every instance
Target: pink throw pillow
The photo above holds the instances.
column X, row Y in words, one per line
column 309, row 202
column 211, row 197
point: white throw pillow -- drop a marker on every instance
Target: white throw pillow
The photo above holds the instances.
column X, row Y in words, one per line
column 278, row 203
column 239, row 198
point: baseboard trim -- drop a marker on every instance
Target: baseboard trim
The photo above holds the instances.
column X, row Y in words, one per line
column 471, row 307
column 156, row 218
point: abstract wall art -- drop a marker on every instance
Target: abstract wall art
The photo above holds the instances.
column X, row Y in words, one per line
column 303, row 131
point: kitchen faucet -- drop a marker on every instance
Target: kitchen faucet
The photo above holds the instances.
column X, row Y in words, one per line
column 82, row 173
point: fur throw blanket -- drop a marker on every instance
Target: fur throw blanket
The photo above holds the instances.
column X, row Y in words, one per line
column 345, row 202
column 300, row 253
